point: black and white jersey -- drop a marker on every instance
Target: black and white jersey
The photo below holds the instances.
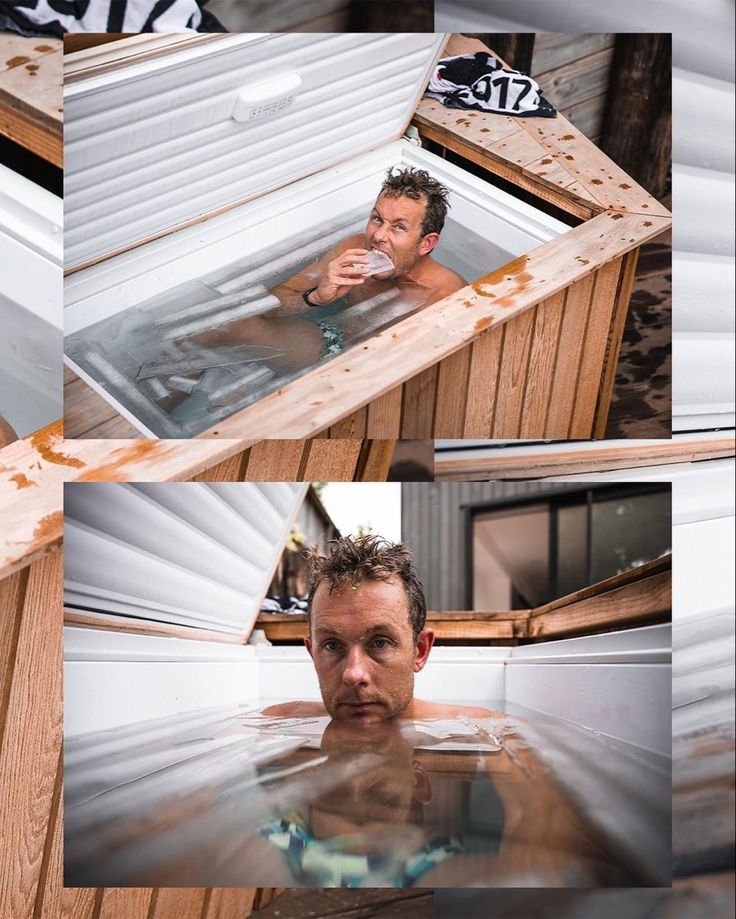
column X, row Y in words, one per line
column 480, row 81
column 55, row 17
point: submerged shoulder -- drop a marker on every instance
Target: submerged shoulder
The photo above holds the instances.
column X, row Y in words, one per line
column 295, row 710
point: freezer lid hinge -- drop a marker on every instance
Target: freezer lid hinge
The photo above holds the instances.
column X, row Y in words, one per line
column 412, row 135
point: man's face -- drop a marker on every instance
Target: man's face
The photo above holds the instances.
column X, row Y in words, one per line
column 395, row 228
column 364, row 651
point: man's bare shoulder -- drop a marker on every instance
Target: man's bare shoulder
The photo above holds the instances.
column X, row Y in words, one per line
column 296, row 710
column 356, row 241
column 446, row 281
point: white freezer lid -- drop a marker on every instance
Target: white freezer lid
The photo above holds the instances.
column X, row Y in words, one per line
column 149, row 146
column 200, row 555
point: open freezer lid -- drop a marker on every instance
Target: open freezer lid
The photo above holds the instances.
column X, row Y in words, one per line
column 197, row 555
column 154, row 141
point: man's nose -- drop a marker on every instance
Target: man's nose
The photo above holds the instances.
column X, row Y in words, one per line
column 355, row 672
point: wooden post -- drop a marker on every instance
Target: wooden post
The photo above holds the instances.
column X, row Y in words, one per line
column 637, row 124
column 515, row 49
column 384, row 15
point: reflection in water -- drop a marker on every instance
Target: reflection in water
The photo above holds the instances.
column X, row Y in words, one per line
column 184, row 360
column 240, row 799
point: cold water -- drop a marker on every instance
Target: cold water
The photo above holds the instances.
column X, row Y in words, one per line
column 184, row 360
column 241, row 799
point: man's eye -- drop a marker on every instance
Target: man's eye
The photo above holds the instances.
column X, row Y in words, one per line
column 331, row 645
column 400, row 227
column 381, row 643
column 376, row 219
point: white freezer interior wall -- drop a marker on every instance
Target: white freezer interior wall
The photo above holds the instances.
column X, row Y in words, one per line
column 702, row 175
column 30, row 304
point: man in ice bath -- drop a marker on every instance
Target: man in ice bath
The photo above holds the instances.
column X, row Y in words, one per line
column 403, row 229
column 367, row 636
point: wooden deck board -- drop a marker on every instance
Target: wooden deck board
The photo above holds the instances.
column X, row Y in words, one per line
column 505, row 464
column 30, row 94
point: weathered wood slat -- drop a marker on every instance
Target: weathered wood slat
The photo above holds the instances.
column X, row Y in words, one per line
column 643, row 601
column 542, row 362
column 505, row 465
column 31, row 732
column 613, row 346
column 483, row 379
column 602, row 303
column 417, row 412
column 30, row 94
column 578, row 80
column 384, row 415
column 512, row 376
column 555, row 49
column 452, row 394
column 569, row 354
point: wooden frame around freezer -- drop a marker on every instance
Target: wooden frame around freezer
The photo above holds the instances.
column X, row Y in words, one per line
column 527, row 351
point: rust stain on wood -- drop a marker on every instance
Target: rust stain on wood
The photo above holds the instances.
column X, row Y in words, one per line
column 546, row 162
column 43, row 48
column 43, row 442
column 32, row 68
column 596, row 182
column 567, row 137
column 49, row 525
column 647, row 223
column 569, row 156
column 616, row 216
column 21, row 480
column 17, row 61
column 116, row 471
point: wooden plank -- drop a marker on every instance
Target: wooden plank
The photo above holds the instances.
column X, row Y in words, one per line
column 452, row 394
column 448, row 629
column 229, row 470
column 512, row 375
column 640, row 573
column 375, row 460
column 384, row 415
column 485, row 364
column 275, row 461
column 427, row 337
column 31, row 740
column 646, row 600
column 555, row 49
column 230, row 903
column 331, row 460
column 352, row 426
column 417, row 416
column 506, row 465
column 568, row 357
column 592, row 358
column 12, row 595
column 542, row 361
column 178, row 903
column 125, row 903
column 613, row 346
column 578, row 80
column 587, row 117
column 30, row 94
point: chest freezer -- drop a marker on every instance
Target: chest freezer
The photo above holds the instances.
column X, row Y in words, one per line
column 200, row 179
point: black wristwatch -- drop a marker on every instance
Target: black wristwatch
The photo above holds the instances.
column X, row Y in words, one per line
column 305, row 296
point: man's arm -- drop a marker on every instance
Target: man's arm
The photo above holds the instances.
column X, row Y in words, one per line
column 321, row 274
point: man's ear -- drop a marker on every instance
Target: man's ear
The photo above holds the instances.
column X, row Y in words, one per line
column 308, row 646
column 425, row 640
column 428, row 243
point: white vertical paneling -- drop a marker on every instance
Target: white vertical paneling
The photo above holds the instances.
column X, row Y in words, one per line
column 198, row 555
column 151, row 145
